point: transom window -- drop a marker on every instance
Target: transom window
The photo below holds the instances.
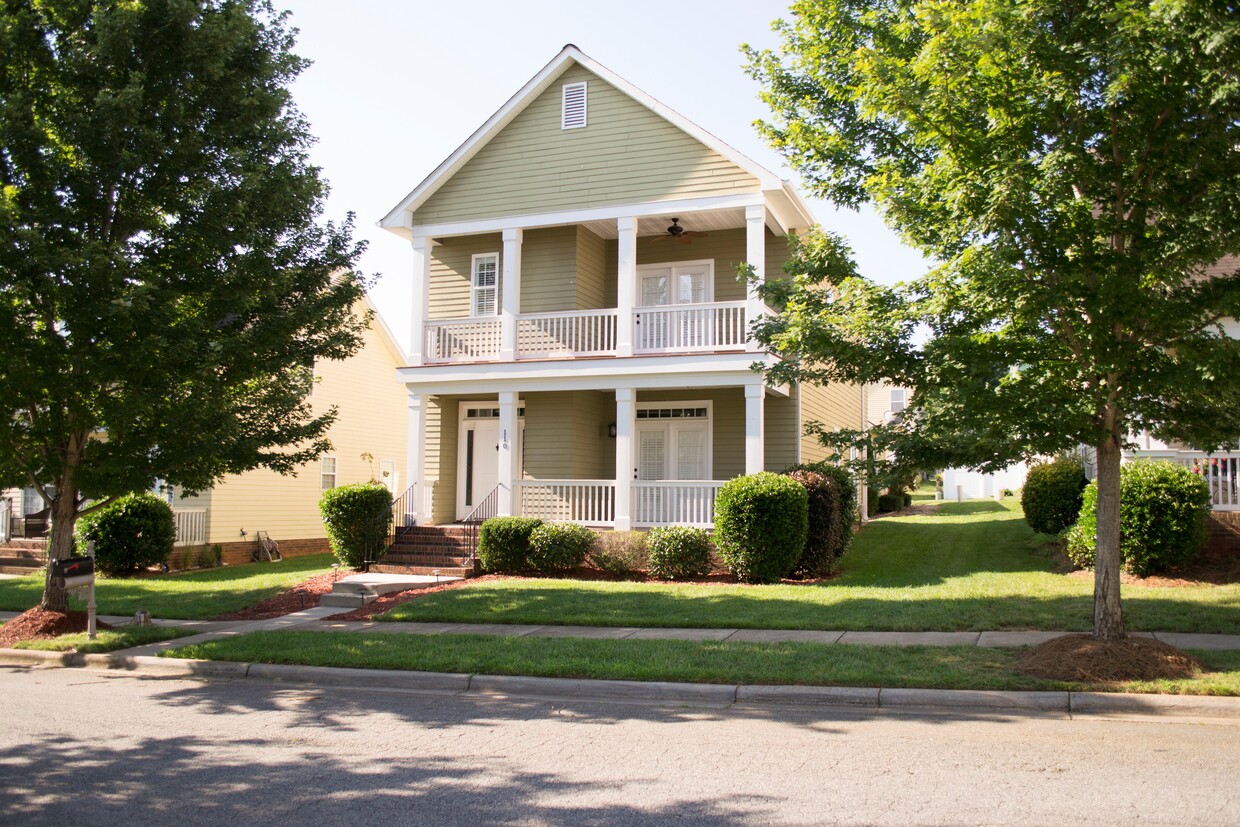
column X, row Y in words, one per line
column 488, row 413
column 671, row 413
column 484, row 293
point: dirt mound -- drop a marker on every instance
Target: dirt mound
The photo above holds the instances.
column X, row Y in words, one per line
column 39, row 624
column 1081, row 658
column 305, row 595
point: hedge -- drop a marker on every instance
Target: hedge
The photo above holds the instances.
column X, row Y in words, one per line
column 358, row 518
column 832, row 505
column 504, row 543
column 761, row 521
column 678, row 553
column 130, row 534
column 558, row 546
column 1051, row 497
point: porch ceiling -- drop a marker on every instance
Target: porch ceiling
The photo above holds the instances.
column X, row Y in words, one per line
column 702, row 222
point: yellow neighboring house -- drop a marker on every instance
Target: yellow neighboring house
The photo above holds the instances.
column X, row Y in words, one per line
column 580, row 345
column 369, row 441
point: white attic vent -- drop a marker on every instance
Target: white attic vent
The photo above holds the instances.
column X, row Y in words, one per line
column 574, row 114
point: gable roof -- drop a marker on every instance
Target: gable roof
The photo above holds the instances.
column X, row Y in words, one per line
column 398, row 219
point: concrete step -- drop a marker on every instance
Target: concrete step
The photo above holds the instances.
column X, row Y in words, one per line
column 347, row 601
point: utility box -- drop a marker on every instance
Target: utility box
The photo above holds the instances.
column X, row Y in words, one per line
column 76, row 571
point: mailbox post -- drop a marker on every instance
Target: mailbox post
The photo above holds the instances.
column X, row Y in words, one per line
column 77, row 572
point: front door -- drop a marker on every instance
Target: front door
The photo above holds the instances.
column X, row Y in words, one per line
column 668, row 285
column 480, row 463
column 673, row 443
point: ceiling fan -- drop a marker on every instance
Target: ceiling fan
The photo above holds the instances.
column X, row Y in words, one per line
column 679, row 233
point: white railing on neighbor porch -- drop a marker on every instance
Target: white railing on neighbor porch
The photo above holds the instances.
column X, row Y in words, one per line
column 589, row 502
column 6, row 520
column 572, row 333
column 191, row 524
column 681, row 328
column 675, row 502
column 1221, row 472
column 462, row 340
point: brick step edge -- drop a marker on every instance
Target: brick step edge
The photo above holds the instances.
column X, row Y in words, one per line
column 444, row 571
column 20, row 553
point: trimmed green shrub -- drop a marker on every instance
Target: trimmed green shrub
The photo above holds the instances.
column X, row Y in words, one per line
column 1051, row 497
column 559, row 546
column 760, row 526
column 358, row 518
column 832, row 509
column 132, row 533
column 678, row 553
column 1162, row 518
column 871, row 501
column 504, row 543
column 622, row 553
column 890, row 502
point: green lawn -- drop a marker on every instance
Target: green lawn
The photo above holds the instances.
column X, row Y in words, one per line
column 107, row 640
column 676, row 660
column 970, row 566
column 192, row 596
column 924, row 493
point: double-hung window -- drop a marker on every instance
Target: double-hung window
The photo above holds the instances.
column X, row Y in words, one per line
column 484, row 291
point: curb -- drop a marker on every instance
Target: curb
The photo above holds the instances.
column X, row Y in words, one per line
column 1099, row 704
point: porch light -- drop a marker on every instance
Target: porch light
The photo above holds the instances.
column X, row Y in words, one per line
column 611, row 430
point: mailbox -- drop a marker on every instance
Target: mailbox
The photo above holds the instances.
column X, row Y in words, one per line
column 76, row 571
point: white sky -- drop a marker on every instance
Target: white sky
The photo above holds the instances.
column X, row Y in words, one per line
column 397, row 86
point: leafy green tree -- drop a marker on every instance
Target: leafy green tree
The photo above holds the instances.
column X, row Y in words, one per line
column 1073, row 167
column 164, row 283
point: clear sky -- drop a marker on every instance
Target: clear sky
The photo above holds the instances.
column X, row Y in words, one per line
column 397, row 86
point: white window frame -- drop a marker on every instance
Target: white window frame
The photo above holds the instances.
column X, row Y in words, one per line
column 899, row 396
column 324, row 473
column 670, row 442
column 675, row 268
column 475, row 290
column 567, row 89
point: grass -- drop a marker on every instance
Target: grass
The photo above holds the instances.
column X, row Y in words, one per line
column 963, row 667
column 971, row 566
column 107, row 640
column 923, row 494
column 192, row 596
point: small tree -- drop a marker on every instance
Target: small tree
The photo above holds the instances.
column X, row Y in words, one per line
column 165, row 286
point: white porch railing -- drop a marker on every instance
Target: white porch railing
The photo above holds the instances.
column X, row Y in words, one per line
column 6, row 520
column 191, row 524
column 462, row 340
column 573, row 333
column 589, row 502
column 675, row 502
column 1221, row 472
column 682, row 328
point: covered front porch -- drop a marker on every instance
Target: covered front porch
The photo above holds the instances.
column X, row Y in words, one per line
column 618, row 458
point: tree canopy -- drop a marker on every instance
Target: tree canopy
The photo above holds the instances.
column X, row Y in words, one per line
column 165, row 281
column 1073, row 168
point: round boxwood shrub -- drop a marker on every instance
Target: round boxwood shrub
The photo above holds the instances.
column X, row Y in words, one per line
column 1162, row 518
column 357, row 518
column 132, row 533
column 832, row 506
column 1051, row 497
column 891, row 501
column 504, row 543
column 678, row 553
column 559, row 546
column 760, row 526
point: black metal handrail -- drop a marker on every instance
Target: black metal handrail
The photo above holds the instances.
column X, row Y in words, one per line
column 389, row 526
column 484, row 511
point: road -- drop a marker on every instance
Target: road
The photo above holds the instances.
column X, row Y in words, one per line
column 82, row 747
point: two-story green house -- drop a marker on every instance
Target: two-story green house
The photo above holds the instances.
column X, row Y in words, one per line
column 579, row 347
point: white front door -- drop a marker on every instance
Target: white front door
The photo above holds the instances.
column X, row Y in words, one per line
column 479, row 463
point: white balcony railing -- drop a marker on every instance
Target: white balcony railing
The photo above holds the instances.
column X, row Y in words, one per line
column 191, row 525
column 682, row 328
column 574, row 333
column 675, row 502
column 1221, row 472
column 589, row 502
column 462, row 340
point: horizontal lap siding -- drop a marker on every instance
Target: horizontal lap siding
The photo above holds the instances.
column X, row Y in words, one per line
column 451, row 273
column 549, row 270
column 781, row 432
column 626, row 154
column 834, row 406
column 442, row 427
column 591, row 270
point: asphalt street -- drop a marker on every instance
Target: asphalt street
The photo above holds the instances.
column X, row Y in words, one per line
column 85, row 747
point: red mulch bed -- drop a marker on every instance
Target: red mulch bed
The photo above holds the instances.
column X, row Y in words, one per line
column 305, row 595
column 40, row 624
column 1210, row 567
column 1081, row 658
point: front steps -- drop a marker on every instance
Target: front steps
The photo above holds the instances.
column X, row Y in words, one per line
column 430, row 550
column 23, row 556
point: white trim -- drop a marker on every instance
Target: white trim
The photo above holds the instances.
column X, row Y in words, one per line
column 474, row 289
column 561, row 218
column 578, row 120
column 674, row 266
column 401, row 214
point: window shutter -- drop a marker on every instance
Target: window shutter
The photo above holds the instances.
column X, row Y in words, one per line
column 574, row 112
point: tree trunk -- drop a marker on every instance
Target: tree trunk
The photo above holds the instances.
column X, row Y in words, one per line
column 1108, row 616
column 60, row 546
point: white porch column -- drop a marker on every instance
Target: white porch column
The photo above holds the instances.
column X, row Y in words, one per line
column 507, row 453
column 626, row 418
column 415, row 458
column 755, row 427
column 510, row 304
column 755, row 254
column 626, row 284
column 422, row 246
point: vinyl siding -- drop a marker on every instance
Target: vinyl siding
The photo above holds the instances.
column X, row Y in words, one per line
column 549, row 270
column 834, row 406
column 442, row 427
column 626, row 154
column 781, row 432
column 563, row 433
column 451, row 274
column 591, row 270
column 372, row 418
